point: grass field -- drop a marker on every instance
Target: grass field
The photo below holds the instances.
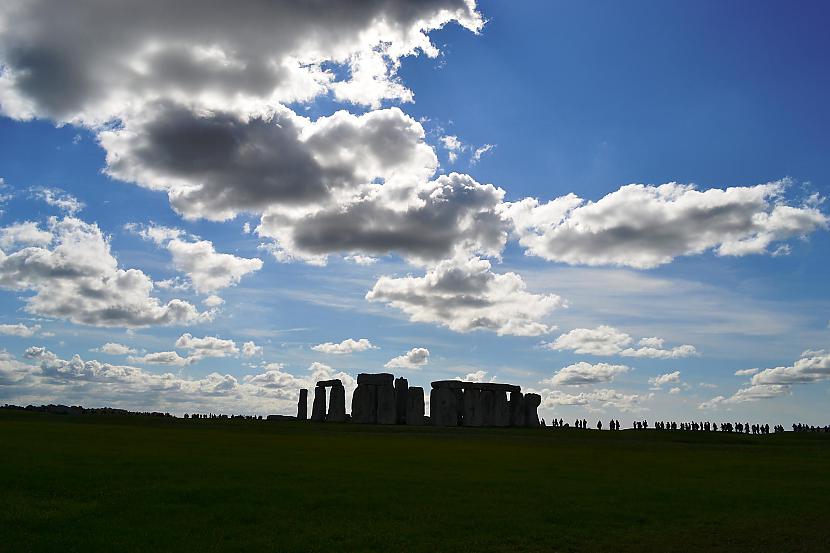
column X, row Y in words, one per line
column 145, row 484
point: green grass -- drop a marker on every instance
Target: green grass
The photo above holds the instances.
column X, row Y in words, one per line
column 144, row 484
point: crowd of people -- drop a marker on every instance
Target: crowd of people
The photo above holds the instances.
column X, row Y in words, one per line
column 694, row 426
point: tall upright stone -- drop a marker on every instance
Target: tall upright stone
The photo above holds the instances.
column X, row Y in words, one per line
column 501, row 409
column 401, row 391
column 532, row 402
column 473, row 415
column 459, row 405
column 365, row 404
column 302, row 405
column 337, row 403
column 318, row 409
column 386, row 408
column 415, row 406
column 518, row 412
column 442, row 407
column 488, row 405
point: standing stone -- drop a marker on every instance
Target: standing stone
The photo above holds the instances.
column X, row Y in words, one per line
column 459, row 405
column 501, row 409
column 401, row 388
column 415, row 406
column 302, row 405
column 488, row 404
column 532, row 402
column 473, row 415
column 337, row 403
column 442, row 407
column 518, row 413
column 386, row 404
column 364, row 404
column 318, row 409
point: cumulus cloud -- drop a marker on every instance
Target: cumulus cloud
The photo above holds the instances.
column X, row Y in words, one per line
column 745, row 372
column 752, row 393
column 77, row 278
column 21, row 330
column 453, row 146
column 114, row 348
column 207, row 269
column 92, row 382
column 585, row 373
column 446, row 217
column 595, row 400
column 644, row 226
column 27, row 233
column 813, row 366
column 606, row 340
column 349, row 345
column 250, row 349
column 413, row 359
column 465, row 295
column 208, row 346
column 162, row 358
column 60, row 63
column 663, row 379
column 212, row 301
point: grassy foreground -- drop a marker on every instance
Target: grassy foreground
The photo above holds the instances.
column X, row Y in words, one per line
column 143, row 484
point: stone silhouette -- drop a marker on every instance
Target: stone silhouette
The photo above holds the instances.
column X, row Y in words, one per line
column 380, row 398
column 302, row 405
column 318, row 408
column 337, row 403
column 401, row 393
column 415, row 406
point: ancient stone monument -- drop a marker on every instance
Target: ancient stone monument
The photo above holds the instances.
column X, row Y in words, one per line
column 302, row 405
column 337, row 402
column 380, row 398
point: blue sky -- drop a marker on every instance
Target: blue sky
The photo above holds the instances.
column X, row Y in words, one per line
column 643, row 304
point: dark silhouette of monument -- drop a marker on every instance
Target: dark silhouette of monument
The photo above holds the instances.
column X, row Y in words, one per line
column 381, row 399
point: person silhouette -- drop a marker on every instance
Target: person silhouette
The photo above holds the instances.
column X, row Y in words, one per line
column 599, row 425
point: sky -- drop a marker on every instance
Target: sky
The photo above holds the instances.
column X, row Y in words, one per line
column 620, row 207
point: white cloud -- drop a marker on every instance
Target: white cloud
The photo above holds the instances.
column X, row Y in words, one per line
column 595, row 400
column 56, row 197
column 59, row 63
column 465, row 295
column 745, row 372
column 250, row 349
column 480, row 151
column 752, row 393
column 813, row 366
column 207, row 269
column 475, row 376
column 24, row 234
column 19, row 329
column 413, row 359
column 645, row 226
column 113, row 348
column 348, row 345
column 91, row 382
column 208, row 346
column 663, row 379
column 606, row 340
column 77, row 278
column 585, row 373
column 162, row 358
column 674, row 391
column 212, row 301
